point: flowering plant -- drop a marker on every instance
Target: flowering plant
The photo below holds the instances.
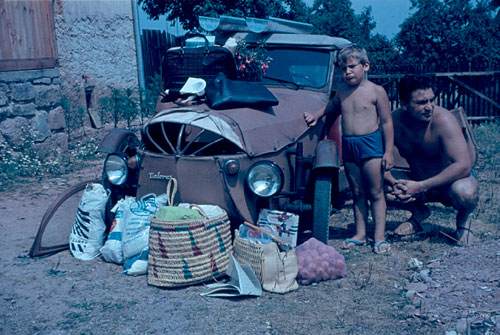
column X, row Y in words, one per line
column 251, row 62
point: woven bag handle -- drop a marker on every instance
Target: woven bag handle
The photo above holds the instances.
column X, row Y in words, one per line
column 199, row 209
column 171, row 191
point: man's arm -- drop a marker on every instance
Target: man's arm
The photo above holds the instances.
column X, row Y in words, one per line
column 384, row 113
column 333, row 106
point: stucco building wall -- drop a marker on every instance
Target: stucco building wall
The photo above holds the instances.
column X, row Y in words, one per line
column 96, row 47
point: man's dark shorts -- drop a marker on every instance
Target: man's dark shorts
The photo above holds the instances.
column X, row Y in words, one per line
column 360, row 148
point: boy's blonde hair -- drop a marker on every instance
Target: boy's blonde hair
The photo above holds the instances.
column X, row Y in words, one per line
column 354, row 51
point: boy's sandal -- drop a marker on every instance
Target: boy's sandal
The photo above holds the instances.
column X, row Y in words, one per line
column 355, row 243
column 377, row 247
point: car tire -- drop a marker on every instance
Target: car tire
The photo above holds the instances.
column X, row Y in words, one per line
column 322, row 204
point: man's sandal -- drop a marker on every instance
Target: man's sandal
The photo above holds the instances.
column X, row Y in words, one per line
column 413, row 225
column 408, row 228
column 460, row 241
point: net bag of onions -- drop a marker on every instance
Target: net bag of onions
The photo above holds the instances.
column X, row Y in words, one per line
column 317, row 261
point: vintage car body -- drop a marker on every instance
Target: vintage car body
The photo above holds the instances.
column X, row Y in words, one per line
column 243, row 159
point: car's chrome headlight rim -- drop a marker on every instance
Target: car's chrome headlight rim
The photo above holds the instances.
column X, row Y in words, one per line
column 265, row 179
column 116, row 168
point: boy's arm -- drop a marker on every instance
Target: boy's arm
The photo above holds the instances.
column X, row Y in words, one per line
column 384, row 113
column 333, row 106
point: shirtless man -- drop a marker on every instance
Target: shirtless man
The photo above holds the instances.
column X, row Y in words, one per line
column 367, row 142
column 431, row 141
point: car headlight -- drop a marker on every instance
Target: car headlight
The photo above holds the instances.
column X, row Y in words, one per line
column 265, row 178
column 116, row 169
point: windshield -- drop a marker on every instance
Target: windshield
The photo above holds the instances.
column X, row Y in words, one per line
column 301, row 67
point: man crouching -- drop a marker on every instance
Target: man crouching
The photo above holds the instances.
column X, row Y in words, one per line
column 431, row 141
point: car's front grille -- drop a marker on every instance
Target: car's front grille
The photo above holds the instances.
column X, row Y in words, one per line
column 172, row 138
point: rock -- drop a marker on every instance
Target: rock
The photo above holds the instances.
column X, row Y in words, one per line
column 47, row 96
column 57, row 119
column 417, row 287
column 424, row 276
column 23, row 92
column 40, row 126
column 15, row 131
column 409, row 309
column 410, row 294
column 461, row 326
column 414, row 263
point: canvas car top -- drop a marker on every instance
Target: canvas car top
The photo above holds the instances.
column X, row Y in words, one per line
column 259, row 131
column 295, row 40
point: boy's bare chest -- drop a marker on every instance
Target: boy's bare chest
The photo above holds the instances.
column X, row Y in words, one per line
column 358, row 102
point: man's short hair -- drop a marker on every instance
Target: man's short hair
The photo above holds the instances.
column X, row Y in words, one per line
column 354, row 51
column 409, row 84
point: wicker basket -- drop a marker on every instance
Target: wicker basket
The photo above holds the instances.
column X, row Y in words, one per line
column 250, row 253
column 276, row 271
column 187, row 252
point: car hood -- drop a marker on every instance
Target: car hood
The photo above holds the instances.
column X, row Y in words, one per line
column 255, row 131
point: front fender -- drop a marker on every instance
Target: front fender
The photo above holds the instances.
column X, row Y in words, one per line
column 115, row 139
column 327, row 155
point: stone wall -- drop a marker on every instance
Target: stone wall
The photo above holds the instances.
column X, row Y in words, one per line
column 96, row 51
column 30, row 110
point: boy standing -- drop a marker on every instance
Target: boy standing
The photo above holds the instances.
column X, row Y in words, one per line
column 366, row 152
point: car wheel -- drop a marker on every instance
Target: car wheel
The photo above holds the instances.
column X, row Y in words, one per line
column 322, row 205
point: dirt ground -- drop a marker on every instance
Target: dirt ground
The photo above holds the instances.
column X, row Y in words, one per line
column 425, row 285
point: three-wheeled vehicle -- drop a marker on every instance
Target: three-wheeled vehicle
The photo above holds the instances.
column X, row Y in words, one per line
column 244, row 158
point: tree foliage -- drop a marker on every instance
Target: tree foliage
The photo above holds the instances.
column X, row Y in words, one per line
column 438, row 35
column 450, row 35
column 337, row 18
column 188, row 11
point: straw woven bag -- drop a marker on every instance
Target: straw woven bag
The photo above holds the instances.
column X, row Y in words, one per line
column 185, row 252
column 276, row 270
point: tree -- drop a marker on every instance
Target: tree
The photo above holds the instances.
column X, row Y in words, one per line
column 450, row 35
column 188, row 11
column 337, row 18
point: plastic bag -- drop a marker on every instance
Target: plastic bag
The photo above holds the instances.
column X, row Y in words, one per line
column 112, row 249
column 138, row 218
column 88, row 231
column 129, row 234
column 137, row 265
column 318, row 261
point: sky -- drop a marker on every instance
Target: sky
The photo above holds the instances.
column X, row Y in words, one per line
column 387, row 14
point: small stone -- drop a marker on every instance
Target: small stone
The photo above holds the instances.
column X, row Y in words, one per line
column 424, row 276
column 414, row 263
column 461, row 325
column 417, row 287
column 410, row 294
column 409, row 310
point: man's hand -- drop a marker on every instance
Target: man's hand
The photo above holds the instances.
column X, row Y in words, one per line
column 407, row 189
column 310, row 119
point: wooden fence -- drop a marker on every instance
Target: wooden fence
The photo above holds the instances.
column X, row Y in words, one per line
column 477, row 92
column 155, row 44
